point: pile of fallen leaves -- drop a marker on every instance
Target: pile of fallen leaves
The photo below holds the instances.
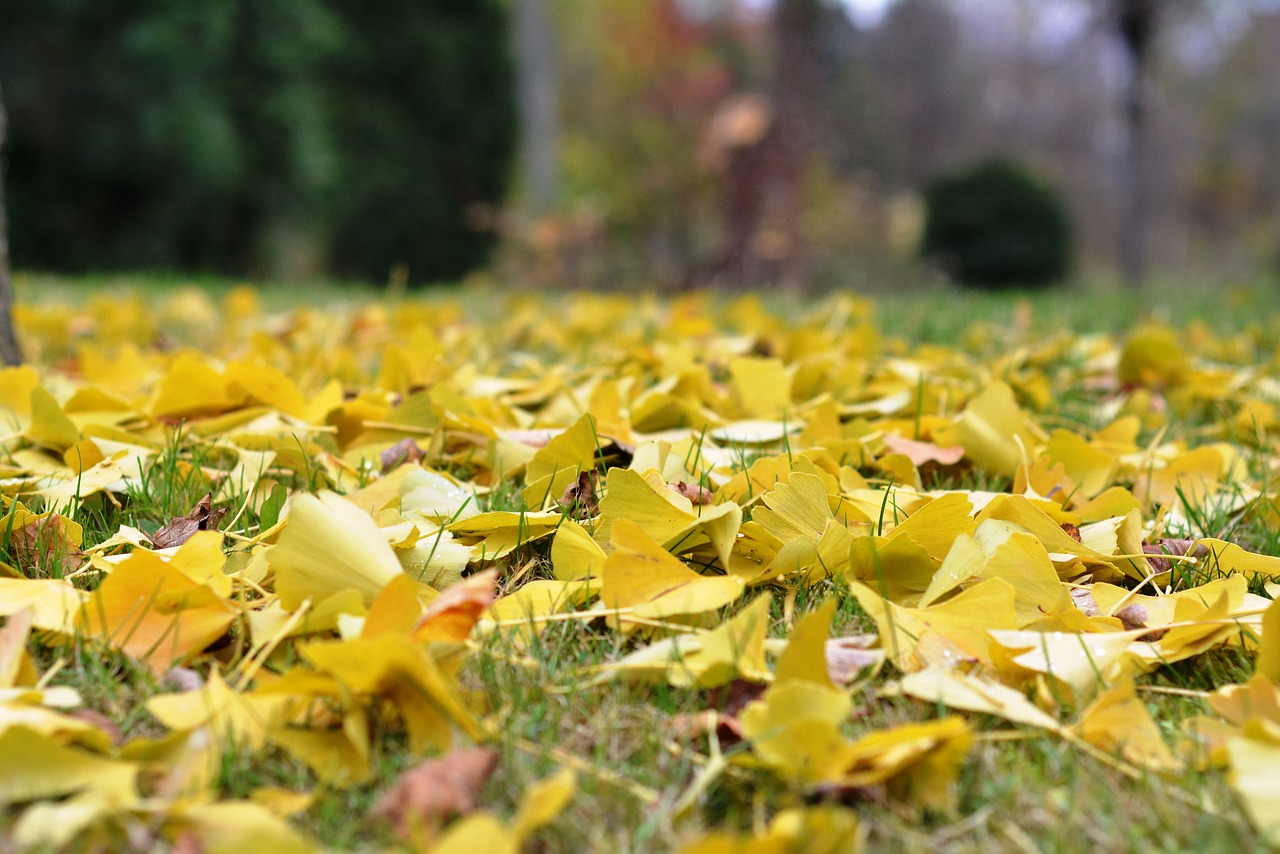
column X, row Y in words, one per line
column 1029, row 522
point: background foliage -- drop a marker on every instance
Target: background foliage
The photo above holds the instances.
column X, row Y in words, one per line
column 994, row 225
column 280, row 137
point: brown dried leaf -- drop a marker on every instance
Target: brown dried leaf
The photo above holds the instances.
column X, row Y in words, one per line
column 695, row 492
column 849, row 656
column 1083, row 599
column 434, row 790
column 1167, row 546
column 43, row 540
column 181, row 528
column 581, row 498
column 1135, row 616
column 1072, row 531
column 404, row 451
column 724, row 704
column 188, row 843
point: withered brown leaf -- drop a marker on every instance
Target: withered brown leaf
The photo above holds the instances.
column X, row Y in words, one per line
column 434, row 790
column 181, row 528
column 695, row 492
column 41, row 541
column 724, row 705
column 581, row 499
column 404, row 451
column 1167, row 546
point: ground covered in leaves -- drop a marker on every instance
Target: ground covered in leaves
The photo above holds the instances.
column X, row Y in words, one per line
column 603, row 573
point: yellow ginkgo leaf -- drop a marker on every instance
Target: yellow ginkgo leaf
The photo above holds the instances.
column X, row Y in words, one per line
column 237, row 827
column 574, row 554
column 555, row 466
column 794, row 728
column 734, row 650
column 990, row 429
column 1118, row 722
column 1255, row 758
column 496, row 534
column 272, row 621
column 1002, row 552
column 528, row 608
column 16, row 384
column 917, row 762
column 404, row 673
column 1229, row 559
column 542, row 803
column 396, row 610
column 1153, row 356
column 330, row 545
column 761, row 387
column 50, row 427
column 154, row 613
column 201, row 559
column 958, row 690
column 1084, row 463
column 646, row 581
column 1082, row 662
column 191, row 387
column 795, row 509
column 482, row 831
column 805, row 655
column 34, row 766
column 112, row 474
column 266, row 386
column 331, row 754
column 965, row 623
column 1192, row 478
column 666, row 516
column 936, row 525
column 239, row 718
column 812, row 561
column 823, row 829
column 899, row 562
column 54, row 603
column 1268, row 664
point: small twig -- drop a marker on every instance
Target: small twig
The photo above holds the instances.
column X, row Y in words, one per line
column 1176, row 692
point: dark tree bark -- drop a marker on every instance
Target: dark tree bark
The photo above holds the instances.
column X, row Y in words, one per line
column 1136, row 22
column 796, row 93
column 539, row 121
column 10, row 353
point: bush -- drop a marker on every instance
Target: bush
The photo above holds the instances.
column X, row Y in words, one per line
column 993, row 225
column 222, row 136
column 423, row 113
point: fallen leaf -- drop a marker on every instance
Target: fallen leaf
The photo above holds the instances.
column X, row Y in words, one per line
column 432, row 791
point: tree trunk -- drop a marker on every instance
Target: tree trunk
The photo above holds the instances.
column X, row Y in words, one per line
column 10, row 354
column 796, row 88
column 1136, row 21
column 539, row 122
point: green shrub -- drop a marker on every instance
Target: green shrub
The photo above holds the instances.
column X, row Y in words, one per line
column 423, row 112
column 221, row 136
column 994, row 225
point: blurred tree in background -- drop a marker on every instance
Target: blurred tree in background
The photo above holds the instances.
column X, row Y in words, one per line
column 672, row 113
column 668, row 142
column 276, row 137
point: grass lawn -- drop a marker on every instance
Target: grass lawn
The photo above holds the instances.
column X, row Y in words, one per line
column 623, row 463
